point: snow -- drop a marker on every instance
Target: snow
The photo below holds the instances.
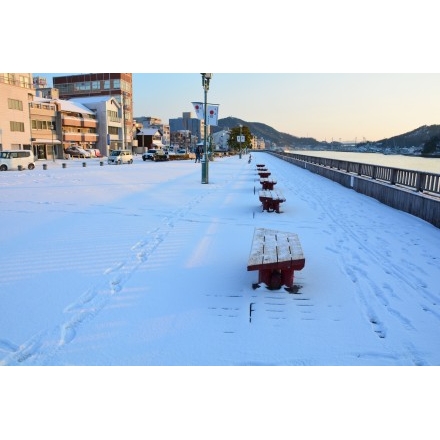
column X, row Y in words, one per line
column 142, row 265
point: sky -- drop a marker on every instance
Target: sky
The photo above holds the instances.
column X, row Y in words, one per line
column 141, row 271
column 326, row 70
column 325, row 106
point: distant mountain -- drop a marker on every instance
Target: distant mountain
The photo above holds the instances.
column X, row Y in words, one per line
column 411, row 142
column 269, row 134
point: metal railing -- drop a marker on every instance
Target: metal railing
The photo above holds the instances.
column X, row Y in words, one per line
column 419, row 181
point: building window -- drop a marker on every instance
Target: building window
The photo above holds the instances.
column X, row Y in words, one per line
column 113, row 130
column 25, row 82
column 17, row 126
column 117, row 84
column 106, row 84
column 9, row 78
column 82, row 86
column 96, row 85
column 41, row 125
column 65, row 89
column 15, row 104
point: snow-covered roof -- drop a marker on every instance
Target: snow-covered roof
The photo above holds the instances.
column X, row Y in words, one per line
column 94, row 99
column 148, row 131
column 71, row 106
column 67, row 106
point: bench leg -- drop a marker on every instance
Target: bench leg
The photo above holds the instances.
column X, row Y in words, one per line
column 273, row 278
column 287, row 277
column 266, row 205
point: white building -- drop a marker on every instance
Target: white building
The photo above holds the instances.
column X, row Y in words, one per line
column 108, row 111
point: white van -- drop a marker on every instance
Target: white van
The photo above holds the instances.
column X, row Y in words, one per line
column 12, row 159
column 117, row 157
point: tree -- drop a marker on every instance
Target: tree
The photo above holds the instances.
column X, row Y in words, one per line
column 233, row 143
column 430, row 145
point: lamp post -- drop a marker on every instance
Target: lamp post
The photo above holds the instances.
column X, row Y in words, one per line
column 206, row 77
column 53, row 148
column 123, row 120
column 240, row 142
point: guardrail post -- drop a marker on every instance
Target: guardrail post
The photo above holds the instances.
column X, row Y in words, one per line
column 393, row 176
column 420, row 181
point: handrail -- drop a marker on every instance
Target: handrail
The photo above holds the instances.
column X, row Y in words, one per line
column 419, row 181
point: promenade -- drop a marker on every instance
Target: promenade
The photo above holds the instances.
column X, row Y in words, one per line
column 143, row 265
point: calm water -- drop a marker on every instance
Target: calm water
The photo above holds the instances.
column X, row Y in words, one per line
column 430, row 165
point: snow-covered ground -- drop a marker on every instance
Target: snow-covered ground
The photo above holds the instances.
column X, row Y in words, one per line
column 142, row 265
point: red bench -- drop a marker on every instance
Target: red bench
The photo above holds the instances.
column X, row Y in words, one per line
column 276, row 255
column 264, row 174
column 271, row 199
column 267, row 183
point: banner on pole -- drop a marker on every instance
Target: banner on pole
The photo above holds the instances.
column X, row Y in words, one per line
column 198, row 107
column 212, row 116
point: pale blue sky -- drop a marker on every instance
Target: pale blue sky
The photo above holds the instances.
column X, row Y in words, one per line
column 324, row 106
column 312, row 42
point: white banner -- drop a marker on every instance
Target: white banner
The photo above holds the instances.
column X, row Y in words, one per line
column 198, row 107
column 212, row 115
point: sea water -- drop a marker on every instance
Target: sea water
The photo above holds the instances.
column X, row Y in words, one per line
column 415, row 163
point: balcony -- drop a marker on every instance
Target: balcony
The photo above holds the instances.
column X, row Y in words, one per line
column 80, row 137
column 73, row 121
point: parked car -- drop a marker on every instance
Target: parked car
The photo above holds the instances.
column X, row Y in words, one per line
column 12, row 159
column 94, row 152
column 160, row 156
column 181, row 151
column 148, row 155
column 118, row 157
column 74, row 151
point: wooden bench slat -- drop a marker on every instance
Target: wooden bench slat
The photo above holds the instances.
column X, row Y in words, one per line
column 274, row 194
column 274, row 247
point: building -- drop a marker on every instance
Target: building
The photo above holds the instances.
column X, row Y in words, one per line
column 149, row 138
column 153, row 122
column 116, row 85
column 16, row 94
column 183, row 139
column 73, row 124
column 45, row 126
column 187, row 122
column 107, row 111
column 220, row 140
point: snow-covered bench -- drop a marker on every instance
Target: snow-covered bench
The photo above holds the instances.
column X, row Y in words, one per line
column 276, row 255
column 267, row 183
column 271, row 199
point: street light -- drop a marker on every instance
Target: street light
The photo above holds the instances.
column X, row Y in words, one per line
column 53, row 147
column 206, row 77
column 240, row 141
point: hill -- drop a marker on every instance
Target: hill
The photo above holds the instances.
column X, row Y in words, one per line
column 410, row 142
column 268, row 133
column 407, row 143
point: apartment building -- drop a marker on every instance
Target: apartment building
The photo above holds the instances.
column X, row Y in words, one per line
column 187, row 122
column 45, row 126
column 152, row 122
column 16, row 93
column 116, row 85
column 107, row 111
